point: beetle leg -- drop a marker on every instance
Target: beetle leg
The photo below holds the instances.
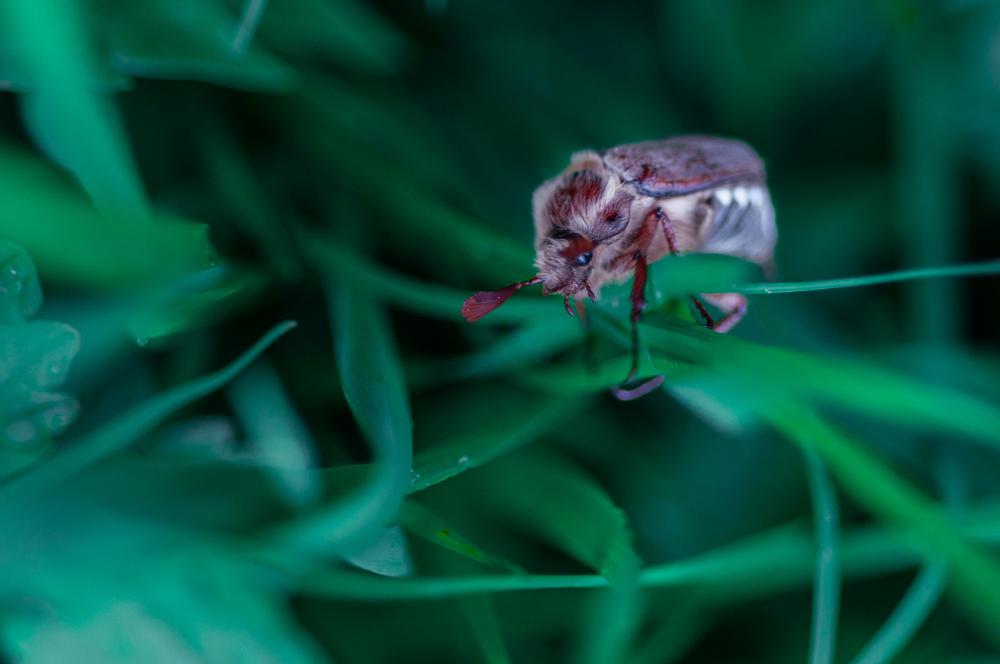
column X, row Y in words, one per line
column 638, row 298
column 668, row 229
column 733, row 304
column 709, row 323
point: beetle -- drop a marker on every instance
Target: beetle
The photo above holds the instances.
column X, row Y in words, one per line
column 610, row 214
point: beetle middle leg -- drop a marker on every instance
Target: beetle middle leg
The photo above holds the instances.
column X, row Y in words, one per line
column 733, row 305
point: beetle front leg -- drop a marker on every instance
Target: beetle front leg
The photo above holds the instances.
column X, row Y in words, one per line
column 734, row 307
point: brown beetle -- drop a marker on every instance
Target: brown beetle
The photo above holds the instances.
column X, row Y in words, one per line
column 611, row 213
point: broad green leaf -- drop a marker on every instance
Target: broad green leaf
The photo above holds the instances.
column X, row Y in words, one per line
column 131, row 426
column 34, row 359
column 72, row 242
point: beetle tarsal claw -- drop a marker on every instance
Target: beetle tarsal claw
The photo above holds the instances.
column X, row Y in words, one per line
column 569, row 307
column 627, row 392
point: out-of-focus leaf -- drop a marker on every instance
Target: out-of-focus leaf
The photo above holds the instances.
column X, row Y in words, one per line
column 127, row 428
column 188, row 41
column 34, row 358
column 562, row 505
column 346, row 32
column 70, row 241
column 387, row 556
column 480, row 426
column 373, row 385
column 422, row 522
column 279, row 438
column 76, row 126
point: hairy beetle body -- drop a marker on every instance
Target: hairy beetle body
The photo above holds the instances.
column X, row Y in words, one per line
column 610, row 214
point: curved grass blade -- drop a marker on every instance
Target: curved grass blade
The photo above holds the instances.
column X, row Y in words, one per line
column 422, row 522
column 907, row 617
column 496, row 433
column 129, row 427
column 410, row 294
column 253, row 12
column 482, row 619
column 75, row 125
column 968, row 270
column 559, row 503
column 896, row 501
column 768, row 562
column 826, row 586
column 840, row 382
column 373, row 385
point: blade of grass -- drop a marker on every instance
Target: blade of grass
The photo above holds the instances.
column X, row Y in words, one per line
column 482, row 619
column 410, row 294
column 373, row 385
column 967, row 270
column 77, row 126
column 422, row 522
column 548, row 496
column 896, row 501
column 131, row 426
column 253, row 12
column 775, row 560
column 826, row 584
column 907, row 617
column 492, row 438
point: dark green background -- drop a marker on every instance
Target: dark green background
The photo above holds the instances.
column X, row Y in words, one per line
column 359, row 168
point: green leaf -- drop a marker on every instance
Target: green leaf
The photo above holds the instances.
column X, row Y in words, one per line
column 422, row 522
column 480, row 426
column 34, row 358
column 70, row 241
column 75, row 125
column 188, row 40
column 131, row 426
column 346, row 32
column 279, row 439
column 376, row 394
column 559, row 503
column 826, row 586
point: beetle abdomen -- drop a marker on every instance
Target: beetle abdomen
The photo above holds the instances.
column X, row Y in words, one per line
column 739, row 222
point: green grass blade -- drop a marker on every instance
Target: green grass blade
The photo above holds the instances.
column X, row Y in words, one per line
column 253, row 12
column 907, row 617
column 77, row 126
column 968, row 270
column 768, row 562
column 896, row 501
column 551, row 498
column 422, row 522
column 130, row 427
column 373, row 385
column 489, row 434
column 826, row 586
column 482, row 619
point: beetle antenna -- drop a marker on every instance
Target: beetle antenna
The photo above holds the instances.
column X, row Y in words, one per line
column 481, row 303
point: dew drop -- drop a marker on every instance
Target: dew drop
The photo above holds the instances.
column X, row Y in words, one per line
column 463, row 461
column 142, row 341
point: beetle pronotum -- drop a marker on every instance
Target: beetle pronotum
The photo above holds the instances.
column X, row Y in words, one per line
column 610, row 214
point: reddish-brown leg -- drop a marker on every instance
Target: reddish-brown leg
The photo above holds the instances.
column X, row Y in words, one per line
column 733, row 305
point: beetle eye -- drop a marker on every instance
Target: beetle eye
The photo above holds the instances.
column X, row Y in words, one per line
column 584, row 259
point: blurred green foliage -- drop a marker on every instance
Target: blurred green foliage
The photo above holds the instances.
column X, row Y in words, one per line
column 391, row 484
